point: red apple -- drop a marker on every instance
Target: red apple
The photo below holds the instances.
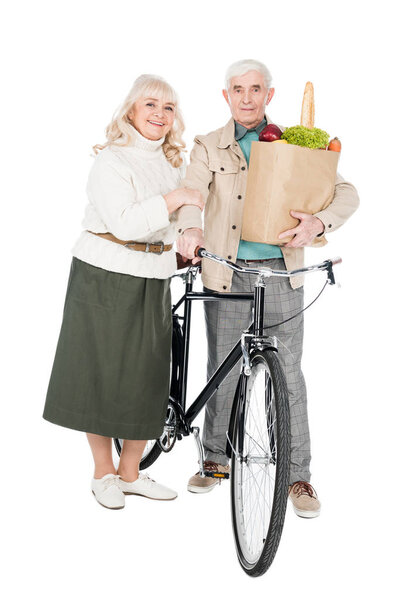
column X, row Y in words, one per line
column 270, row 133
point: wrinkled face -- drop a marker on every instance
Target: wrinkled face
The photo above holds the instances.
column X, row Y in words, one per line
column 247, row 97
column 152, row 117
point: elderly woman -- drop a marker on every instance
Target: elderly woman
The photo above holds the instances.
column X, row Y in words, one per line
column 110, row 376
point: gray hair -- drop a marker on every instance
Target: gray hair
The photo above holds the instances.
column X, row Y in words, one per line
column 244, row 66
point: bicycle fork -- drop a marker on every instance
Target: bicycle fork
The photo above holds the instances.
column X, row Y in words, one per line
column 254, row 337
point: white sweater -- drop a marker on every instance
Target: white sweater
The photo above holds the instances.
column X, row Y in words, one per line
column 125, row 189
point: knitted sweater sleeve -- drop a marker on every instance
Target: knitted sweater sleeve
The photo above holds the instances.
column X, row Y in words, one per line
column 113, row 195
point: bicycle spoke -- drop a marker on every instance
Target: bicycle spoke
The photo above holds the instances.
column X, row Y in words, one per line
column 257, row 509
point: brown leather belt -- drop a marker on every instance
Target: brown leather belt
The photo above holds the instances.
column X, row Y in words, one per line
column 156, row 248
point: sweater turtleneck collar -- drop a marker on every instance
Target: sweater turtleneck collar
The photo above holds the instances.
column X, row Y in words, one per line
column 142, row 143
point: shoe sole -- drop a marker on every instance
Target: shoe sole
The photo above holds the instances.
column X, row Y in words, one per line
column 109, row 507
column 307, row 514
column 201, row 490
column 149, row 497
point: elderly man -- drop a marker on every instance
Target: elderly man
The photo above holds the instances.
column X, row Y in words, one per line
column 218, row 168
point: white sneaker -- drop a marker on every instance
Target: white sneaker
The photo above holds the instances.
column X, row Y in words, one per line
column 144, row 486
column 107, row 491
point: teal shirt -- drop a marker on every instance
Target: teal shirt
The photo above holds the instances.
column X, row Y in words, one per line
column 253, row 250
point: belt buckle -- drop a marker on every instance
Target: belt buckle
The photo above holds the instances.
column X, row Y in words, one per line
column 162, row 247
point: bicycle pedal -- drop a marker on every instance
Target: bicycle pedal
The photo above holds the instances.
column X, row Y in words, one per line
column 216, row 475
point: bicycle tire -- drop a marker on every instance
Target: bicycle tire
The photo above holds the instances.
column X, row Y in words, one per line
column 269, row 436
column 153, row 450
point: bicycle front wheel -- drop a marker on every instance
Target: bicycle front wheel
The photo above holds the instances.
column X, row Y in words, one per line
column 260, row 463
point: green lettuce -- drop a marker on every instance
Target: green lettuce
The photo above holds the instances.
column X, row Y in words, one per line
column 309, row 138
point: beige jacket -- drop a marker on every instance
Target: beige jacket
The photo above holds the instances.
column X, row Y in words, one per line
column 218, row 169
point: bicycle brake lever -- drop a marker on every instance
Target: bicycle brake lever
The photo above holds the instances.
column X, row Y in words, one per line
column 329, row 274
column 332, row 279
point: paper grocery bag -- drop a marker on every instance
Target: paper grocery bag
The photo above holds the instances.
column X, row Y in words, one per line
column 284, row 177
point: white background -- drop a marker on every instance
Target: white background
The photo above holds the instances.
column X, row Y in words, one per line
column 67, row 66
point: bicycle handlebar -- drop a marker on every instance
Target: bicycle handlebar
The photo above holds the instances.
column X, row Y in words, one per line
column 266, row 271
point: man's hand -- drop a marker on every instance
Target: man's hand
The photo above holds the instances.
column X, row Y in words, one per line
column 187, row 243
column 305, row 231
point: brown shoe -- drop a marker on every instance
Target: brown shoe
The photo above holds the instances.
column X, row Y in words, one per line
column 304, row 499
column 201, row 485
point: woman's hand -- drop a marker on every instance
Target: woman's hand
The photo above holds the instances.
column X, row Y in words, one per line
column 181, row 196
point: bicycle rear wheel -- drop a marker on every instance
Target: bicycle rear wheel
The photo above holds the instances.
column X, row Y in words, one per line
column 164, row 443
column 260, row 463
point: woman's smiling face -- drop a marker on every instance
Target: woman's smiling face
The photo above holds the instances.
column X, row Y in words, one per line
column 152, row 117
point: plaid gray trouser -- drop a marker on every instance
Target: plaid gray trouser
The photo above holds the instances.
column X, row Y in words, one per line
column 225, row 322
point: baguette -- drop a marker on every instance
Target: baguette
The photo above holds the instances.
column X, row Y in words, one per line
column 308, row 107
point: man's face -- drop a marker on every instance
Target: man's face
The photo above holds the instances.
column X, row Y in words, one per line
column 247, row 97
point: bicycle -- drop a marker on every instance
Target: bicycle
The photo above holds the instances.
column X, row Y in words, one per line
column 258, row 437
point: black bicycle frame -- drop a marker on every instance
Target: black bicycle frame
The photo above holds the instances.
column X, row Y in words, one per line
column 234, row 355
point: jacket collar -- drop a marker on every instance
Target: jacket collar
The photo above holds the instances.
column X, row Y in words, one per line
column 241, row 131
column 228, row 133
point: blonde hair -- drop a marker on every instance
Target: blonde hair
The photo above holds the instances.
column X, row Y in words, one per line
column 119, row 132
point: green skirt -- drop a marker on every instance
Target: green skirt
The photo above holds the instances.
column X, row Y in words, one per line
column 112, row 365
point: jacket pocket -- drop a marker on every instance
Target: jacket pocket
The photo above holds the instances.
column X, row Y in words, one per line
column 225, row 173
column 223, row 167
